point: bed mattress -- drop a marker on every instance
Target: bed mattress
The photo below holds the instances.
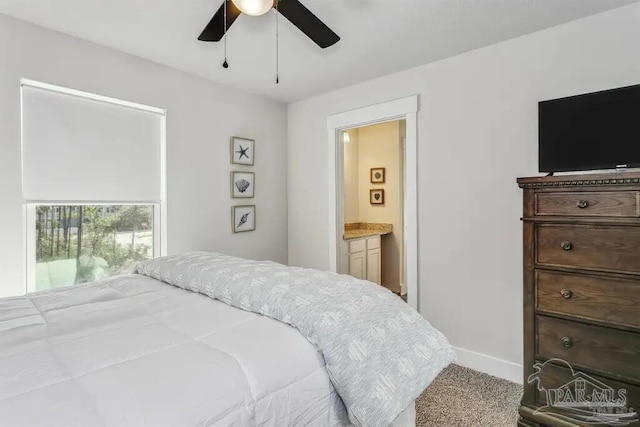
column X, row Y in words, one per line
column 132, row 351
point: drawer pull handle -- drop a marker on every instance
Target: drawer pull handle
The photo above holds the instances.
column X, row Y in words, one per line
column 566, row 293
column 582, row 204
column 567, row 342
column 566, row 245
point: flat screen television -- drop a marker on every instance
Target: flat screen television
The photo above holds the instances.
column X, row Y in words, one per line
column 599, row 130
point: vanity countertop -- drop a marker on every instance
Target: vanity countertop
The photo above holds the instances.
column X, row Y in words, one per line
column 359, row 230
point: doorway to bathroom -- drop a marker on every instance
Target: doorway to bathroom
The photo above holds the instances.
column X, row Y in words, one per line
column 372, row 246
column 400, row 237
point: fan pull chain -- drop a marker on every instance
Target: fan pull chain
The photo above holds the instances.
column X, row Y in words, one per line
column 277, row 44
column 225, row 64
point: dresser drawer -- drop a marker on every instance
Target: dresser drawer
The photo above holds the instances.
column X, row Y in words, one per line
column 593, row 347
column 624, row 204
column 606, row 248
column 553, row 377
column 611, row 300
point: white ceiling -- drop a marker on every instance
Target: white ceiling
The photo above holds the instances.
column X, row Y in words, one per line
column 378, row 36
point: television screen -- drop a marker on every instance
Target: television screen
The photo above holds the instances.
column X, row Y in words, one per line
column 598, row 130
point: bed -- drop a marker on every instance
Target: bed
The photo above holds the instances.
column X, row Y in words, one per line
column 189, row 341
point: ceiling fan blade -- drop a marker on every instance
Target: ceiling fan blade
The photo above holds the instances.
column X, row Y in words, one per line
column 308, row 23
column 214, row 31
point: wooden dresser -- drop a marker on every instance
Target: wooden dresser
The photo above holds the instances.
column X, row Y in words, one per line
column 581, row 290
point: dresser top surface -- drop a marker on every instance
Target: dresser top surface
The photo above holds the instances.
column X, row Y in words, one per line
column 590, row 179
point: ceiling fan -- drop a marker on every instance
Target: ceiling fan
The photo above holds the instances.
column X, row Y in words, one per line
column 293, row 10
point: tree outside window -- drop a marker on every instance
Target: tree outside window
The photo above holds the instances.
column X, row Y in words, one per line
column 82, row 243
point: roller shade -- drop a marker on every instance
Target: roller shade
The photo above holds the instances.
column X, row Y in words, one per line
column 78, row 149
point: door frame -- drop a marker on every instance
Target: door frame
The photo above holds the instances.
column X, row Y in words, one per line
column 399, row 109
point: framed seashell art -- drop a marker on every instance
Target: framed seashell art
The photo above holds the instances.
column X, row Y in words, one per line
column 242, row 185
column 243, row 218
column 377, row 175
column 376, row 197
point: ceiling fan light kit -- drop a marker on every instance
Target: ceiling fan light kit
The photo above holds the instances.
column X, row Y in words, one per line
column 254, row 7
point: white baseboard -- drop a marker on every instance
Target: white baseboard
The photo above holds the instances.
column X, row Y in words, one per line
column 489, row 365
column 403, row 289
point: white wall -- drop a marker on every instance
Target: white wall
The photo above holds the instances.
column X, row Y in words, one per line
column 379, row 146
column 201, row 117
column 477, row 133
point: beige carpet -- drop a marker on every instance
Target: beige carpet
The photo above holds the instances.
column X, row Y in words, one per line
column 462, row 397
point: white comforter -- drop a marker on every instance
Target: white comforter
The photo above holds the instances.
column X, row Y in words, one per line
column 379, row 353
column 114, row 354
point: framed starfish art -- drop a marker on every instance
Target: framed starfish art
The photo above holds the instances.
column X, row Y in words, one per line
column 242, row 151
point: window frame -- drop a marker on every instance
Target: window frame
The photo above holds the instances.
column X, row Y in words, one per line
column 29, row 207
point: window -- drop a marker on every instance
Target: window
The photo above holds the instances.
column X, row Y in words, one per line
column 77, row 244
column 93, row 182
